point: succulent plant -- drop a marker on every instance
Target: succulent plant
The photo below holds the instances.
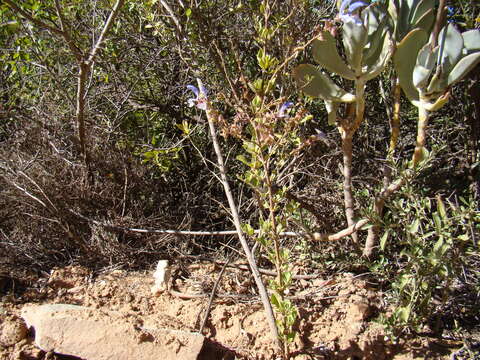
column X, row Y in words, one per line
column 411, row 14
column 426, row 73
column 367, row 42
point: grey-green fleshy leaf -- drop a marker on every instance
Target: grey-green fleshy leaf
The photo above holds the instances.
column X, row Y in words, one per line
column 374, row 17
column 405, row 58
column 426, row 21
column 411, row 14
column 451, row 46
column 378, row 26
column 373, row 52
column 316, row 84
column 463, row 67
column 402, row 20
column 425, row 63
column 331, row 107
column 325, row 53
column 354, row 40
column 375, row 69
column 421, row 9
column 471, row 40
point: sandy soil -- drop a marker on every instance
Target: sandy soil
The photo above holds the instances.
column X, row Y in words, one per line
column 335, row 319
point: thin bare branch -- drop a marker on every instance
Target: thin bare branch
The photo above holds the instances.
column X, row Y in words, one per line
column 172, row 15
column 343, row 233
column 106, row 28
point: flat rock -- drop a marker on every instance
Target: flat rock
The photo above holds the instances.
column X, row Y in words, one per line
column 98, row 335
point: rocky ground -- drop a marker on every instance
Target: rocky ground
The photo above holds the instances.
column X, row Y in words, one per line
column 336, row 313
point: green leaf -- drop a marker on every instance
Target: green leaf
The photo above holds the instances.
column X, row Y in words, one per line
column 471, row 40
column 438, row 245
column 463, row 67
column 382, row 60
column 441, row 208
column 404, row 281
column 438, row 223
column 276, row 300
column 422, row 8
column 248, row 229
column 403, row 314
column 316, row 84
column 291, row 336
column 405, row 59
column 354, row 40
column 286, row 277
column 243, row 159
column 256, row 103
column 188, row 12
column 413, row 229
column 425, row 63
column 374, row 47
column 426, row 21
column 383, row 240
column 325, row 53
column 451, row 46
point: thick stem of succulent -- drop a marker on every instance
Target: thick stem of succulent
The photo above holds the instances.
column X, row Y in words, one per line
column 395, row 123
column 359, row 104
column 347, row 179
column 423, row 116
column 347, row 133
column 211, row 117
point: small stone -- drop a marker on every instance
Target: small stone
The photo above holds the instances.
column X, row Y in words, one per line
column 162, row 277
column 12, row 331
column 75, row 290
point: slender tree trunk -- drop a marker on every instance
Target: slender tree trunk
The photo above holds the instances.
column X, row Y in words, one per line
column 80, row 111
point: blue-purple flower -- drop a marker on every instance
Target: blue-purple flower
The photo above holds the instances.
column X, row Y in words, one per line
column 349, row 11
column 451, row 12
column 284, row 108
column 200, row 99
